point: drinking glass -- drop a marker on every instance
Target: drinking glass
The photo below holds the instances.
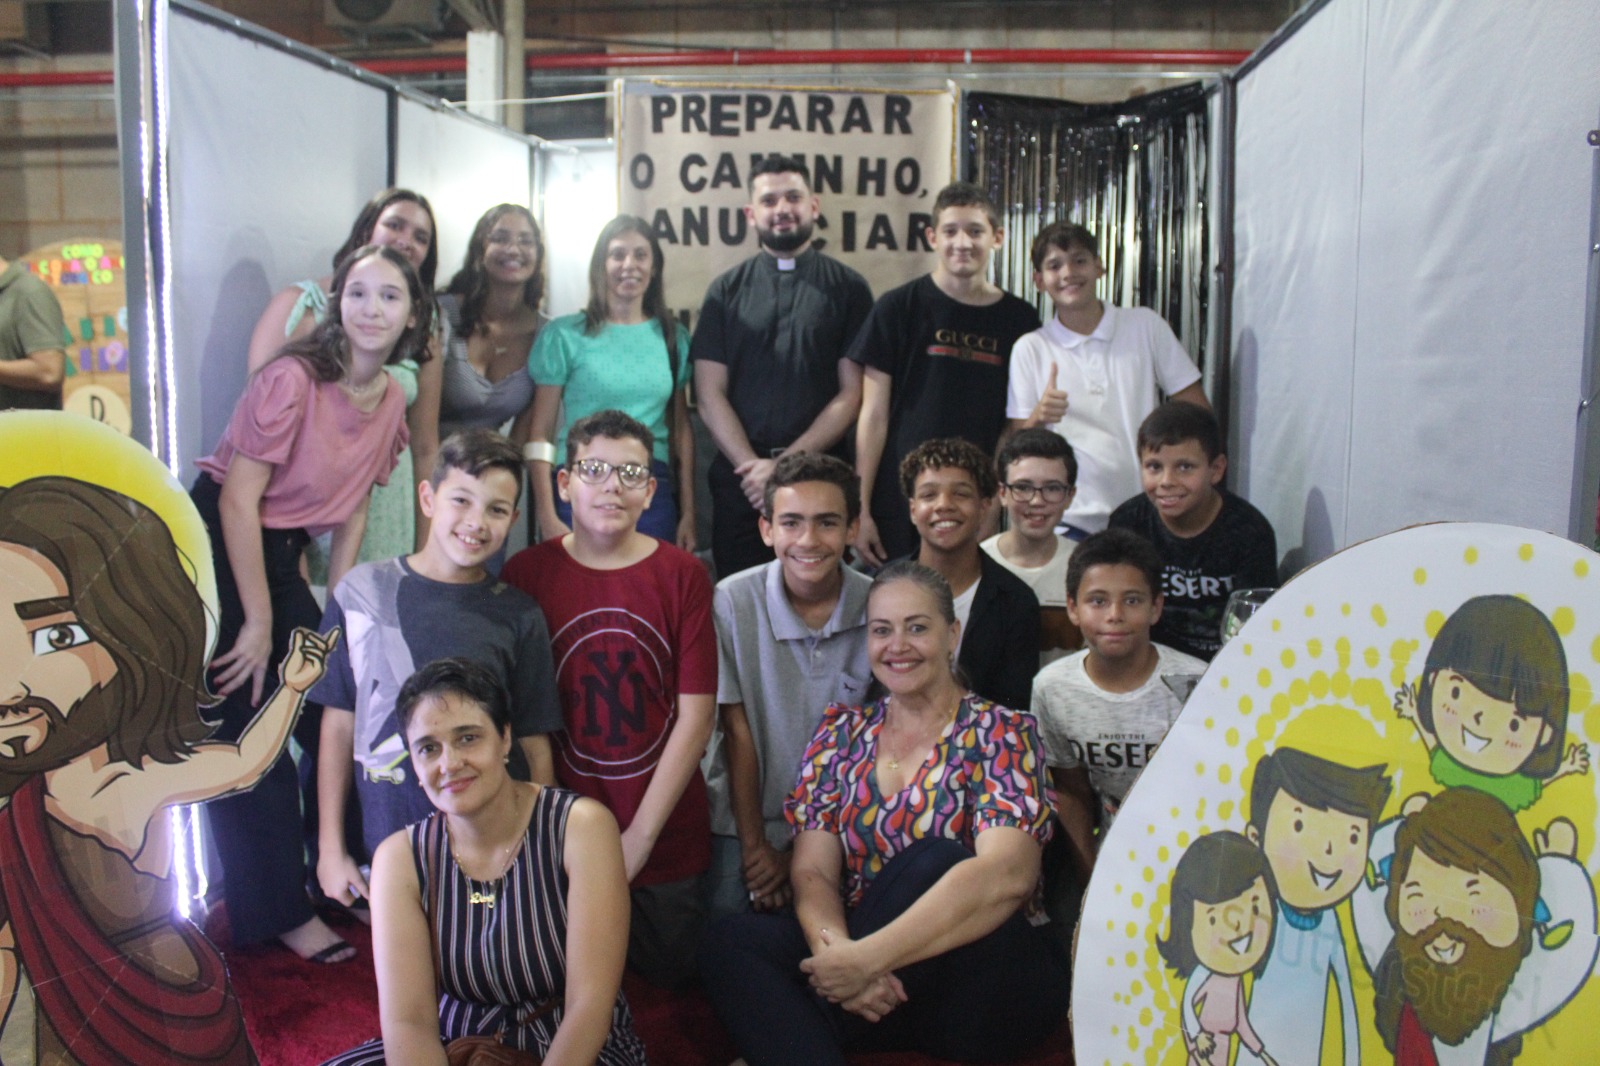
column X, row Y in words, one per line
column 1241, row 605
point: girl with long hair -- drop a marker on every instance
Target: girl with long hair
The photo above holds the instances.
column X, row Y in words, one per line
column 403, row 220
column 316, row 427
column 492, row 306
column 623, row 351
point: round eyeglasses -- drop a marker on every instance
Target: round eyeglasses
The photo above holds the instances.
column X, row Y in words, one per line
column 598, row 472
column 501, row 238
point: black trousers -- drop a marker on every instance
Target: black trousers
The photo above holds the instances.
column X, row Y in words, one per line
column 989, row 1001
column 736, row 542
column 892, row 514
column 261, row 835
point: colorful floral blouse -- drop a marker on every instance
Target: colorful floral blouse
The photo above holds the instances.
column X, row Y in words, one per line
column 987, row 770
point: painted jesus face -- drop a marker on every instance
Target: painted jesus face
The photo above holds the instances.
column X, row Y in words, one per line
column 1460, row 942
column 48, row 660
column 1433, row 890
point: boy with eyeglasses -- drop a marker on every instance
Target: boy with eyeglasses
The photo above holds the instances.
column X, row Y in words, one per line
column 636, row 668
column 1211, row 542
column 1038, row 478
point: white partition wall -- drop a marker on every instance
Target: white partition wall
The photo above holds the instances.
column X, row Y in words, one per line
column 274, row 149
column 1413, row 188
column 272, row 157
column 463, row 167
column 578, row 196
column 1296, row 199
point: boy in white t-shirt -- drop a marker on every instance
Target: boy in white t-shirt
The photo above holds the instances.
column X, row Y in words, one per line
column 1038, row 477
column 1102, row 711
column 1092, row 374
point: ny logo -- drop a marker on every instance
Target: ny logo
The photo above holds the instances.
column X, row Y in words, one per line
column 602, row 689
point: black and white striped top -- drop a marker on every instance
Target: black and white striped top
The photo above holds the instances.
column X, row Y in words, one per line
column 498, row 964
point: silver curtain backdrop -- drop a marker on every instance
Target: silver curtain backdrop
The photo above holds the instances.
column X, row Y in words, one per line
column 1136, row 173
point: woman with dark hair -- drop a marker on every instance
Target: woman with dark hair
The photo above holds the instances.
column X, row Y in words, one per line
column 402, row 220
column 929, row 809
column 503, row 916
column 315, row 429
column 492, row 306
column 623, row 351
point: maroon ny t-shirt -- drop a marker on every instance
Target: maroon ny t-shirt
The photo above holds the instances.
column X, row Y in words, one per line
column 627, row 643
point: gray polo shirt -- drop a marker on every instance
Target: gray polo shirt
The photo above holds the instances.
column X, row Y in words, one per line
column 785, row 674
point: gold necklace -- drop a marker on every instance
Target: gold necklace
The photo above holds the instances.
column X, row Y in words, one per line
column 512, row 331
column 486, row 898
column 891, row 758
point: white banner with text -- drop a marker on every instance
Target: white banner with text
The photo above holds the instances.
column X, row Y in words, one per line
column 876, row 159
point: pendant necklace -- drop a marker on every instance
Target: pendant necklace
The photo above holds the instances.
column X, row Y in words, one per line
column 892, row 760
column 359, row 393
column 485, row 898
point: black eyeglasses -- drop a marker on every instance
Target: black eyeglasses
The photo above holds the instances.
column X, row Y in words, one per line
column 598, row 472
column 1052, row 491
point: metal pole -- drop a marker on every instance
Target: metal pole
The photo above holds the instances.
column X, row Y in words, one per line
column 1186, row 59
column 1586, row 468
column 486, row 74
column 132, row 79
column 514, row 24
column 1221, row 368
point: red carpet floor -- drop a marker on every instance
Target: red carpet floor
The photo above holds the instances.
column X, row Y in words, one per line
column 299, row 1014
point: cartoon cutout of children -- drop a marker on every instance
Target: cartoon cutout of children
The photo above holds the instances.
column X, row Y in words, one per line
column 1492, row 706
column 1221, row 920
column 1311, row 818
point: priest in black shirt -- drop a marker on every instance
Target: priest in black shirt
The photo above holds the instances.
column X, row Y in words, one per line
column 770, row 371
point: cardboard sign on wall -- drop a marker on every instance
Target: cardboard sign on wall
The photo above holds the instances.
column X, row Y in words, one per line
column 108, row 617
column 86, row 275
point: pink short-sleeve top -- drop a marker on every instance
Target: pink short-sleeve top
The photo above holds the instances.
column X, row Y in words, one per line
column 326, row 453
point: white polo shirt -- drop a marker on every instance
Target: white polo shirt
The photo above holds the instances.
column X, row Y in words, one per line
column 1113, row 378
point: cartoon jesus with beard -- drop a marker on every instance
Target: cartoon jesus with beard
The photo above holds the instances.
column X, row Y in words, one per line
column 102, row 658
column 1449, row 936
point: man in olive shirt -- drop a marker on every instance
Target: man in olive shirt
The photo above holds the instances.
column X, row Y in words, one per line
column 770, row 372
column 33, row 362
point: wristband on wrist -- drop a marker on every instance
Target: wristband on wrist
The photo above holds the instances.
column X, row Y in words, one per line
column 539, row 451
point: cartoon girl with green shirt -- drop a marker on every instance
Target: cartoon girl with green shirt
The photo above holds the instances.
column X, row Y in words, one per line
column 1492, row 708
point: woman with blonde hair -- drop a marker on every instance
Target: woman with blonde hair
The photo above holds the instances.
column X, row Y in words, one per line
column 919, row 821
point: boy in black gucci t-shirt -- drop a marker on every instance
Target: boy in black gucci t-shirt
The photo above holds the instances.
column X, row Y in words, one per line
column 936, row 359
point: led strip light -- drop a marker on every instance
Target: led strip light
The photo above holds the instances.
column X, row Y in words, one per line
column 161, row 378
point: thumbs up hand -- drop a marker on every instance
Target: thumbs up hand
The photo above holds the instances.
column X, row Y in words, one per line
column 1052, row 405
